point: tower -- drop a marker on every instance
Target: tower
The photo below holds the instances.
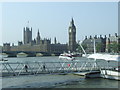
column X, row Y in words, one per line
column 72, row 36
column 27, row 33
column 55, row 40
column 38, row 38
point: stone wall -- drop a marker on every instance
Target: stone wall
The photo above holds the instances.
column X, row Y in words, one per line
column 50, row 48
column 59, row 48
column 34, row 48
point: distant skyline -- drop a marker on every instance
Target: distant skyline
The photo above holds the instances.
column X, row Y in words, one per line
column 53, row 19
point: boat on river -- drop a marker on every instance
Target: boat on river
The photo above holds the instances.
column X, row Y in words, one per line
column 3, row 55
column 3, row 59
column 104, row 56
column 114, row 72
column 109, row 73
column 66, row 56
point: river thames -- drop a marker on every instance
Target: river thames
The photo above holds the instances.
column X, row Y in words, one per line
column 55, row 80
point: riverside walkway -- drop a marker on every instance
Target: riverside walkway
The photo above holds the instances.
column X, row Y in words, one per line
column 34, row 68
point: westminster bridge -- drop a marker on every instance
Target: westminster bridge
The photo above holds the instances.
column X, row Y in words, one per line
column 30, row 53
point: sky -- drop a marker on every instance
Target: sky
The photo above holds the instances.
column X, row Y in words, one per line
column 53, row 19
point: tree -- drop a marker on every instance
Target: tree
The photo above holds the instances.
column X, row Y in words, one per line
column 99, row 47
column 80, row 49
column 113, row 47
column 118, row 47
column 109, row 48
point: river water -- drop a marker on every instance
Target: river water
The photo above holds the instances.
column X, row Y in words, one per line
column 56, row 80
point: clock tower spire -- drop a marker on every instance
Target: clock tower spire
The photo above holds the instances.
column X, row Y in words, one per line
column 72, row 36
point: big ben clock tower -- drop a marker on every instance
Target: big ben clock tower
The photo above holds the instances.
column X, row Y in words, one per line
column 72, row 36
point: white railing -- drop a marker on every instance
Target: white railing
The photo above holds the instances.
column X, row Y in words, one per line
column 27, row 68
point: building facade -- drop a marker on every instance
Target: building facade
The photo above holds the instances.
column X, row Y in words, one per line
column 112, row 41
column 102, row 44
column 27, row 33
column 40, row 44
column 36, row 45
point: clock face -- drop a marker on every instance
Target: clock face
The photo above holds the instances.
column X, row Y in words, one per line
column 70, row 30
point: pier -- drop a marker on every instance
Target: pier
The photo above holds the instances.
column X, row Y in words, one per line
column 34, row 68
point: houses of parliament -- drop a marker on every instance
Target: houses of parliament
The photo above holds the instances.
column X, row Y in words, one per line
column 43, row 45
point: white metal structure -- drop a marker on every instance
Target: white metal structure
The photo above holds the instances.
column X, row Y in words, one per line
column 27, row 68
column 104, row 57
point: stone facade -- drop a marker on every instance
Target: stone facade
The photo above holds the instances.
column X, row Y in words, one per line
column 34, row 48
column 89, row 43
column 6, row 47
column 36, row 45
column 112, row 40
column 44, row 45
column 101, row 42
column 59, row 48
column 27, row 35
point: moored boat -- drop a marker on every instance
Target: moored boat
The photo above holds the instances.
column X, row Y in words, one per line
column 66, row 56
column 3, row 59
column 3, row 55
column 110, row 74
column 104, row 56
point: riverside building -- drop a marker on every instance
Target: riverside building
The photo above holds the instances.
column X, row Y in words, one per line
column 40, row 44
column 102, row 44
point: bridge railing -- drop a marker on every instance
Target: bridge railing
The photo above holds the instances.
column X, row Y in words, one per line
column 20, row 68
